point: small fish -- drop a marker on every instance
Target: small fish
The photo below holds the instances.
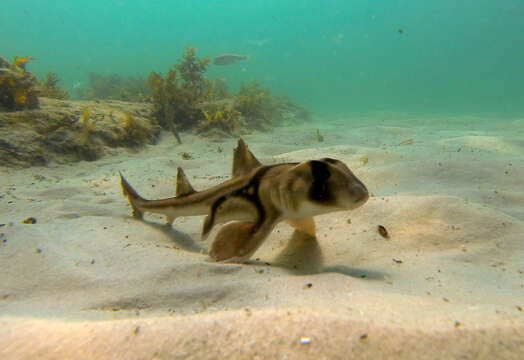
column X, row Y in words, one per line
column 228, row 59
column 21, row 61
column 400, row 31
column 407, row 142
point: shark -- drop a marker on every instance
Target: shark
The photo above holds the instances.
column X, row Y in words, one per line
column 256, row 198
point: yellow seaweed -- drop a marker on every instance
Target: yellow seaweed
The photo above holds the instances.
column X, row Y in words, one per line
column 85, row 116
column 22, row 61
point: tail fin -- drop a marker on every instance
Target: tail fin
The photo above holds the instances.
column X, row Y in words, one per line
column 132, row 196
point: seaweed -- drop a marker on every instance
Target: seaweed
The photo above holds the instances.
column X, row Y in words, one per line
column 221, row 116
column 192, row 71
column 49, row 88
column 184, row 99
column 259, row 107
column 114, row 87
column 293, row 113
column 18, row 87
column 164, row 92
column 87, row 126
column 85, row 145
column 22, row 61
column 135, row 133
column 218, row 89
column 176, row 97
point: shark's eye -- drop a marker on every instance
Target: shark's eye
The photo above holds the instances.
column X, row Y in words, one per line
column 319, row 170
column 319, row 188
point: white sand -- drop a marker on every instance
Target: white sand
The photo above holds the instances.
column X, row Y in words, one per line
column 106, row 286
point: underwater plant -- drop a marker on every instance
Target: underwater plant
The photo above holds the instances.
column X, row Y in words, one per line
column 220, row 117
column 18, row 87
column 192, row 71
column 114, row 87
column 184, row 99
column 218, row 89
column 292, row 112
column 87, row 126
column 177, row 96
column 49, row 88
column 22, row 61
column 135, row 133
column 258, row 106
column 163, row 93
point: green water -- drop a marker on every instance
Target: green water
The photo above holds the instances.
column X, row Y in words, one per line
column 332, row 56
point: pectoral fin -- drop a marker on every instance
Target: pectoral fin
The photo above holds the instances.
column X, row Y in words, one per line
column 305, row 225
column 238, row 240
column 228, row 209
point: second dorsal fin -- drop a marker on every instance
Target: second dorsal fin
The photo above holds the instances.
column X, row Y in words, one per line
column 183, row 187
column 243, row 159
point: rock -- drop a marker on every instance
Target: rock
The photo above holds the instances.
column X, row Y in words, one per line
column 58, row 132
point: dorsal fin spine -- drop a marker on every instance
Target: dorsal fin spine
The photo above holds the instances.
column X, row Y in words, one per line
column 243, row 159
column 183, row 187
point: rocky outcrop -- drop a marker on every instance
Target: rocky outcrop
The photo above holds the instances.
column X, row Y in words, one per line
column 68, row 131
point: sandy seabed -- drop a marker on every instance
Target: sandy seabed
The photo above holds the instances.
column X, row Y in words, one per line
column 87, row 281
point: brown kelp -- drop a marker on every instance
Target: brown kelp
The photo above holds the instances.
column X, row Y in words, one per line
column 258, row 106
column 136, row 132
column 176, row 97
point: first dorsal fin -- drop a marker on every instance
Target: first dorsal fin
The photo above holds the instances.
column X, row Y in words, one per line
column 183, row 187
column 243, row 159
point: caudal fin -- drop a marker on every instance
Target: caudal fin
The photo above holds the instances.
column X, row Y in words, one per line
column 132, row 197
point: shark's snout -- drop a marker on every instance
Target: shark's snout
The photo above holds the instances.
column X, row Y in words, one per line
column 360, row 194
column 356, row 194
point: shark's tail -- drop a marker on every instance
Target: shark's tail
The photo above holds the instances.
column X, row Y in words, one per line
column 132, row 197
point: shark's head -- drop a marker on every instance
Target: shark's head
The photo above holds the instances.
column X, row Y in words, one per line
column 321, row 186
column 335, row 185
